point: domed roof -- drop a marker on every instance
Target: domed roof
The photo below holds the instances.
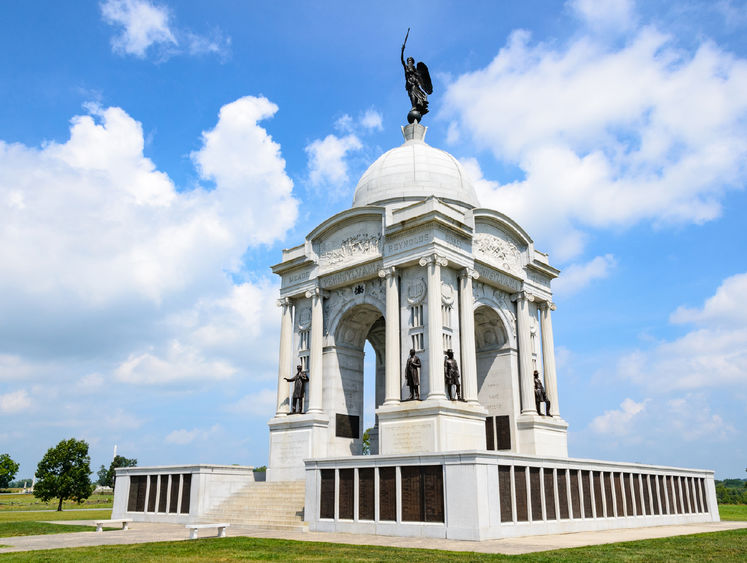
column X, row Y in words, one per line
column 415, row 171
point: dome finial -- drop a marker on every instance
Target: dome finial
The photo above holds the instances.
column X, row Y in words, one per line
column 414, row 132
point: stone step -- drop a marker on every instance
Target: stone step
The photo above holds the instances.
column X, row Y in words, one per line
column 273, row 505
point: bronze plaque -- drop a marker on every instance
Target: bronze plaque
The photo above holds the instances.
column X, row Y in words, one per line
column 575, row 495
column 366, row 496
column 174, row 504
column 637, row 494
column 503, row 432
column 696, row 496
column 152, row 493
column 136, row 497
column 186, row 493
column 628, row 495
column 646, row 496
column 489, row 432
column 586, row 484
column 534, row 487
column 412, row 494
column 684, row 485
column 598, row 504
column 162, row 496
column 607, row 477
column 665, row 494
column 547, row 477
column 327, row 494
column 674, row 497
column 433, row 489
column 522, row 514
column 387, row 493
column 654, row 496
column 563, row 494
column 504, row 490
column 347, row 426
column 347, row 494
column 619, row 495
column 703, row 492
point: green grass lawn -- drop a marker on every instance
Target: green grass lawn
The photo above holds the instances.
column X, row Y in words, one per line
column 25, row 516
column 718, row 546
column 30, row 502
column 10, row 529
column 733, row 511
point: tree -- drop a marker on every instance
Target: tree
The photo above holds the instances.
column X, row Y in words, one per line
column 367, row 442
column 64, row 473
column 106, row 476
column 8, row 470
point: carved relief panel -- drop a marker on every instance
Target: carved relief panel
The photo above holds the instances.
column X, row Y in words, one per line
column 351, row 243
column 495, row 246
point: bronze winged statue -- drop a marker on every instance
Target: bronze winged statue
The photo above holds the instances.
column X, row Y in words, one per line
column 417, row 83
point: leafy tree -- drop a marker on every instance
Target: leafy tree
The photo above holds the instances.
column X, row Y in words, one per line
column 107, row 476
column 367, row 442
column 8, row 470
column 64, row 473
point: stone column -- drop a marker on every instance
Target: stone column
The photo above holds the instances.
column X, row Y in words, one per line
column 392, row 373
column 526, row 375
column 467, row 334
column 436, row 382
column 548, row 356
column 315, row 352
column 285, row 366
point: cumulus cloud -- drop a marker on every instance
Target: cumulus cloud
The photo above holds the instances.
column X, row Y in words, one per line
column 261, row 403
column 605, row 15
column 14, row 402
column 145, row 26
column 372, row 119
column 618, row 421
column 327, row 164
column 578, row 276
column 606, row 136
column 182, row 437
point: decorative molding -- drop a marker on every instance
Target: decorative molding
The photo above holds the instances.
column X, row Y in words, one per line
column 304, row 318
column 503, row 252
column 447, row 293
column 416, row 291
column 469, row 273
column 387, row 272
column 433, row 258
column 284, row 302
column 522, row 295
column 359, row 244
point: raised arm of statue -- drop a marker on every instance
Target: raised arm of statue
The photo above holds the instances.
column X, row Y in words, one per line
column 402, row 53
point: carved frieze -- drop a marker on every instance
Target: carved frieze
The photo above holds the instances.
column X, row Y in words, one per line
column 350, row 248
column 499, row 251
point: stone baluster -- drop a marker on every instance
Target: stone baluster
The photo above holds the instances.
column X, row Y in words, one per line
column 392, row 377
column 548, row 357
column 284, row 359
column 526, row 375
column 315, row 352
column 436, row 383
column 467, row 334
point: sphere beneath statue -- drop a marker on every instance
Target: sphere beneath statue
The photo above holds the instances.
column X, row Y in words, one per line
column 414, row 115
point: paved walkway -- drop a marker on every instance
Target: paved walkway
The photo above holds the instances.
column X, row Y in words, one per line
column 140, row 532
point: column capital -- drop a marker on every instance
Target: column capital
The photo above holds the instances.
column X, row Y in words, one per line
column 284, row 302
column 469, row 273
column 522, row 295
column 433, row 258
column 318, row 292
column 387, row 272
column 545, row 305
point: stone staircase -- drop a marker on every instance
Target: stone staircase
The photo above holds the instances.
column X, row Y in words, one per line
column 272, row 504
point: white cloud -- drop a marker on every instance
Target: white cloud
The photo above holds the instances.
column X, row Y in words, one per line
column 372, row 119
column 260, row 403
column 618, row 422
column 14, row 402
column 578, row 276
column 327, row 164
column 183, row 437
column 606, row 136
column 605, row 15
column 143, row 24
column 724, row 308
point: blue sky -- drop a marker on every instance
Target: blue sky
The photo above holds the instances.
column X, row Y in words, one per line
column 155, row 157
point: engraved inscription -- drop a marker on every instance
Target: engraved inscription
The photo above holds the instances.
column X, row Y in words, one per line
column 352, row 275
column 412, row 241
column 498, row 278
column 297, row 277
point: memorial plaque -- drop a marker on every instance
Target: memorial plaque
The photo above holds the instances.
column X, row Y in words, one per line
column 164, row 493
column 703, row 493
column 520, row 482
column 586, row 484
column 136, row 497
column 504, row 490
column 412, row 494
column 563, row 494
column 686, row 494
column 637, row 495
column 696, row 495
column 174, row 504
column 666, row 507
column 608, row 494
column 186, row 493
column 387, row 493
column 654, row 495
column 366, row 498
column 152, row 493
column 327, row 494
column 619, row 495
column 598, row 504
column 549, row 493
column 489, row 432
column 575, row 495
column 347, row 426
column 433, row 489
column 503, row 432
column 347, row 494
column 629, row 509
column 674, row 498
column 534, row 487
column 646, row 496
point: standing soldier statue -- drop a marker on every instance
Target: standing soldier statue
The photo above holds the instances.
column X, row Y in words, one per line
column 412, row 375
column 417, row 83
column 298, row 390
column 451, row 375
column 539, row 395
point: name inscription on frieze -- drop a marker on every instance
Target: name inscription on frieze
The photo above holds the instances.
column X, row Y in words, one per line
column 297, row 277
column 351, row 275
column 498, row 278
column 413, row 240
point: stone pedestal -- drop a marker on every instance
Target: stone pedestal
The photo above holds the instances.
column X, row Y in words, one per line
column 294, row 438
column 542, row 435
column 435, row 425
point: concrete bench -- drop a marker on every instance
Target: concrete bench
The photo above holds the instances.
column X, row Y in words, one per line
column 194, row 527
column 124, row 521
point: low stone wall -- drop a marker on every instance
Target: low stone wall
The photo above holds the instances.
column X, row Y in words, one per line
column 481, row 495
column 179, row 493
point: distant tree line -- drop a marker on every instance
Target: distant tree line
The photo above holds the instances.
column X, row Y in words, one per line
column 731, row 491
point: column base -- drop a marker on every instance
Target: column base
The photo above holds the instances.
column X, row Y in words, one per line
column 432, row 425
column 294, row 438
column 542, row 435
